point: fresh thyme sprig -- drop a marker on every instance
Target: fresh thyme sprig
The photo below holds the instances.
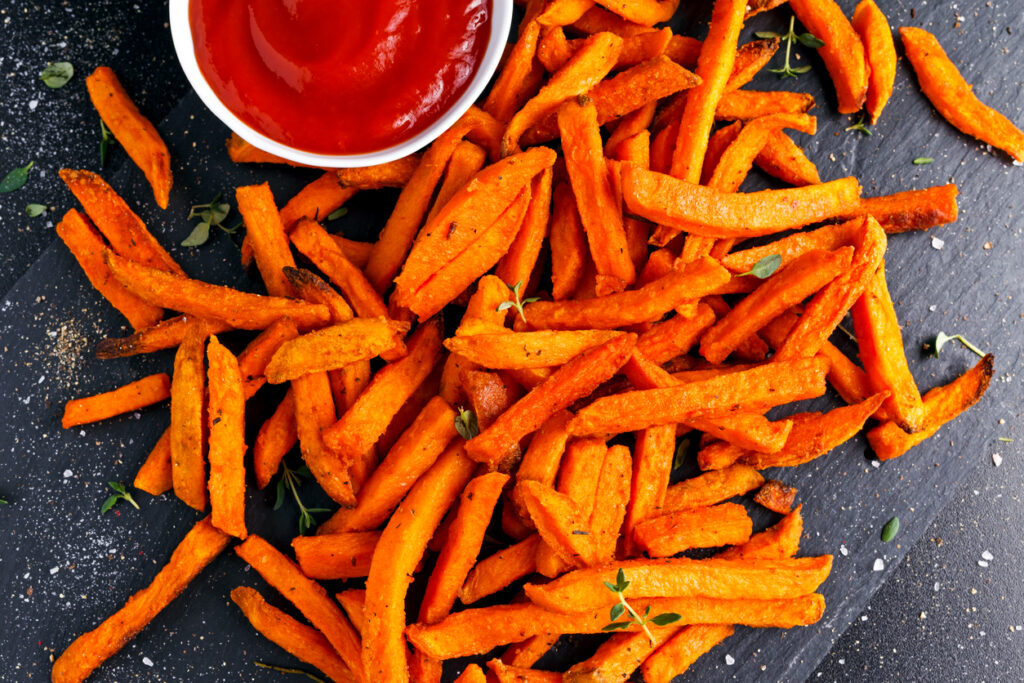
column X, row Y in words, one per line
column 517, row 303
column 212, row 214
column 466, row 424
column 285, row 670
column 120, row 493
column 805, row 39
column 290, row 481
column 941, row 338
column 765, row 267
column 861, row 126
column 621, row 584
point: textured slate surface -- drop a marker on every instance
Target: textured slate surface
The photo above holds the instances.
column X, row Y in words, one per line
column 51, row 319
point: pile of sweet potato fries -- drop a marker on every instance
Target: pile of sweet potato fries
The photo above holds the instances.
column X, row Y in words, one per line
column 596, row 151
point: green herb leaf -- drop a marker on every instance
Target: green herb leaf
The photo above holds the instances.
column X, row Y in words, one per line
column 16, row 179
column 766, row 35
column 116, row 485
column 666, row 619
column 466, row 424
column 611, row 587
column 765, row 268
column 941, row 338
column 290, row 481
column 199, row 235
column 106, row 139
column 517, row 303
column 617, row 626
column 57, row 74
column 33, row 210
column 810, row 40
column 620, row 581
column 285, row 670
column 1005, row 439
column 680, row 455
column 120, row 493
column 279, row 497
column 891, row 528
column 209, row 215
column 107, row 504
column 801, row 69
column 921, row 161
column 616, row 611
column 860, row 126
column 337, row 213
column 3, row 502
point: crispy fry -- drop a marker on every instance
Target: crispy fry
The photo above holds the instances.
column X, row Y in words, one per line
column 568, row 243
column 130, row 397
column 266, row 233
column 585, row 69
column 518, row 264
column 652, row 466
column 336, row 556
column 528, row 652
column 911, row 210
column 784, row 159
column 880, row 344
column 226, row 428
column 776, row 542
column 237, row 309
column 755, row 7
column 562, row 12
column 241, row 152
column 133, row 131
column 466, row 161
column 312, row 288
column 164, row 335
column 299, row 640
column 352, row 601
column 472, row 674
column 619, row 656
column 685, row 647
column 880, row 52
column 759, row 387
column 316, row 201
column 750, row 59
column 199, row 547
column 187, row 391
column 154, row 477
column 543, row 457
column 562, row 524
column 704, row 211
column 776, row 496
column 944, row 86
column 537, row 349
column 408, row 413
column 613, row 491
column 843, row 51
column 514, row 674
column 806, row 275
column 464, row 539
column 314, row 411
column 332, row 348
column 506, row 95
column 712, row 488
column 827, row 238
column 395, row 173
column 506, row 566
column 480, row 630
column 365, row 421
column 399, row 550
column 307, row 595
column 254, row 358
column 575, row 379
column 675, row 336
column 276, row 437
column 489, row 396
column 127, row 234
column 707, row 527
column 941, row 405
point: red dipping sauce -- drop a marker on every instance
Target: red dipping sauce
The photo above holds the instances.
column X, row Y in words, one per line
column 339, row 76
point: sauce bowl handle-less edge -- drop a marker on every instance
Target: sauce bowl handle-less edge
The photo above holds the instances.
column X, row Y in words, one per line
column 181, row 35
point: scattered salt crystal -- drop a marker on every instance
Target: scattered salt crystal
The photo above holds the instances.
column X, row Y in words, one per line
column 842, row 662
column 68, row 474
column 864, row 617
column 147, row 661
column 983, row 564
column 32, row 104
column 42, row 378
column 997, row 459
column 876, row 463
column 27, row 575
column 81, row 432
column 843, row 551
column 879, row 564
column 933, row 308
column 936, row 587
column 937, row 243
column 729, row 661
column 924, row 615
column 54, row 570
column 986, row 555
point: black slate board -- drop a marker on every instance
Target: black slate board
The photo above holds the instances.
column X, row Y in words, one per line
column 65, row 568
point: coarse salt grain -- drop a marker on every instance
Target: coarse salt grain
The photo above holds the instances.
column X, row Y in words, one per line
column 147, row 661
column 68, row 474
column 876, row 463
column 936, row 587
column 54, row 570
column 879, row 564
column 729, row 660
column 986, row 555
column 997, row 459
column 937, row 243
column 983, row 564
column 843, row 551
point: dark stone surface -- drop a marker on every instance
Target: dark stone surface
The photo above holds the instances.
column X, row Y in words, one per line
column 63, row 567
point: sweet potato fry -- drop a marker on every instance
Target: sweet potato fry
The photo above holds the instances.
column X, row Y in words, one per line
column 470, row 213
column 154, row 477
column 237, row 309
column 399, row 550
column 562, row 524
column 911, row 210
column 489, row 396
column 352, row 601
column 334, row 347
column 296, row 638
column 759, row 387
column 316, row 201
column 684, row 648
column 518, row 264
column 806, row 275
column 544, row 455
column 750, row 59
column 619, row 656
column 464, row 539
column 554, row 49
column 226, row 427
column 456, row 276
column 513, row 674
column 880, row 344
column 241, row 152
column 944, row 86
column 784, row 159
column 254, row 358
column 652, row 466
column 880, row 52
column 568, row 243
column 87, row 247
column 265, row 232
column 704, row 211
column 707, row 527
column 336, row 556
column 843, row 51
column 499, row 570
column 314, row 411
column 537, row 349
column 408, row 413
column 827, row 238
column 675, row 336
column 745, row 105
column 188, row 469
column 778, row 541
column 199, row 547
column 776, row 496
column 276, row 437
column 312, row 288
column 585, row 69
column 307, row 595
column 755, row 7
column 815, row 434
column 127, row 234
column 130, row 397
column 505, row 97
column 941, row 405
column 389, row 174
column 479, row 630
column 472, row 674
column 133, row 131
column 646, row 304
column 583, row 590
column 712, row 488
column 365, row 421
column 613, row 491
column 597, row 19
column 466, row 161
column 575, row 379
column 164, row 335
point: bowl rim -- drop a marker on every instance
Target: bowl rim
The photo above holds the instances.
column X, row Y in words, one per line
column 181, row 36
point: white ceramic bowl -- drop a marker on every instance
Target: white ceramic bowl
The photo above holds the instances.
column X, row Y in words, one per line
column 181, row 34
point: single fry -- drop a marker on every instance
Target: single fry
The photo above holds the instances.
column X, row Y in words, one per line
column 536, row 349
column 685, row 647
column 506, row 95
column 880, row 52
column 266, row 233
column 776, row 496
column 395, row 173
column 352, row 601
column 257, row 354
column 154, row 477
column 332, row 348
column 335, row 556
column 785, row 160
column 712, row 488
column 131, row 397
column 827, row 238
column 944, row 86
column 619, row 656
column 568, row 241
column 611, row 497
column 299, row 640
column 652, row 467
column 776, row 542
column 519, row 263
column 911, row 210
column 188, row 468
column 675, row 336
column 843, row 51
column 133, row 131
column 941, row 405
column 501, row 569
column 707, row 527
column 163, row 335
column 542, row 459
column 199, row 547
column 528, row 652
column 480, row 630
column 276, row 437
column 314, row 412
column 226, row 429
column 562, row 525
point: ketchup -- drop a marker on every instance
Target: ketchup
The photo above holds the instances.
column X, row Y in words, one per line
column 339, row 76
